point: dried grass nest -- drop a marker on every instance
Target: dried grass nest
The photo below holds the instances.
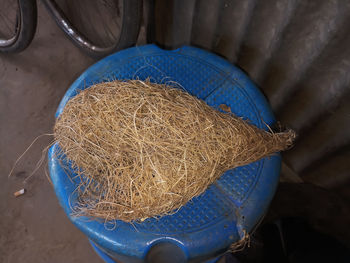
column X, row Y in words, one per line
column 146, row 149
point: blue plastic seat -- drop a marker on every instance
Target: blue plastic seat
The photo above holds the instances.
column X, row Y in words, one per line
column 233, row 205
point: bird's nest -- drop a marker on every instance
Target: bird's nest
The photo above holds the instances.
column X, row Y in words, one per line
column 145, row 149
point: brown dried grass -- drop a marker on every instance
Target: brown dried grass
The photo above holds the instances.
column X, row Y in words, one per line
column 147, row 149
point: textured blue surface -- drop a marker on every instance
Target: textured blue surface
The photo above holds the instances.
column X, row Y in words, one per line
column 103, row 255
column 208, row 224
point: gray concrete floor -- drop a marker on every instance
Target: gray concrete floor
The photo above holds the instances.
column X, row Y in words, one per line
column 33, row 227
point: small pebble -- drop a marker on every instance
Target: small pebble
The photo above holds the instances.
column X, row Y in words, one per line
column 19, row 193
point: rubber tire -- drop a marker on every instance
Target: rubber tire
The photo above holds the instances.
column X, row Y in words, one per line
column 28, row 10
column 132, row 13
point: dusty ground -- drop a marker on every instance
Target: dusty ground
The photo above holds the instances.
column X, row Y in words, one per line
column 33, row 227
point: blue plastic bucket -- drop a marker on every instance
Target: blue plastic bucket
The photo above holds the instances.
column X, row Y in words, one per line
column 207, row 225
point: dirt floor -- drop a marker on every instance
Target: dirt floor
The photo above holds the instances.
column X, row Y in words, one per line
column 33, row 227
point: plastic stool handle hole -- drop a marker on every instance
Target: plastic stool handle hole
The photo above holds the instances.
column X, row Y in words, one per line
column 166, row 252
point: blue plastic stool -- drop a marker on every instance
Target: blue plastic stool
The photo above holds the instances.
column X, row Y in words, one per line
column 206, row 226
